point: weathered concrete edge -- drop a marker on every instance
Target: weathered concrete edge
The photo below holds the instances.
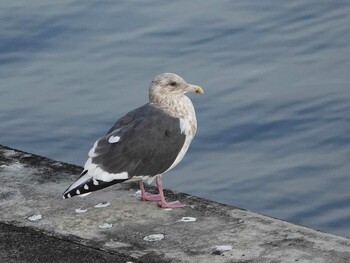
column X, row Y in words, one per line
column 217, row 208
column 34, row 159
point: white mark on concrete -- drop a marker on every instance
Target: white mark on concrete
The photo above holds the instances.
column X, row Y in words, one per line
column 188, row 219
column 114, row 139
column 223, row 248
column 137, row 194
column 34, row 217
column 105, row 226
column 9, row 153
column 79, row 210
column 154, row 237
column 103, row 205
column 167, row 209
column 137, row 254
column 12, row 167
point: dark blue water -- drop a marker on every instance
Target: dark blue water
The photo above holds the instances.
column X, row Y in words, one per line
column 274, row 124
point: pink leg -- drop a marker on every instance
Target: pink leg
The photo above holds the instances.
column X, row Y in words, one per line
column 148, row 196
column 163, row 203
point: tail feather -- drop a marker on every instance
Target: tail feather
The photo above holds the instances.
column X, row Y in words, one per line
column 86, row 184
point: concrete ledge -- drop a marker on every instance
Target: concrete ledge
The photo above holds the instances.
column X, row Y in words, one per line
column 32, row 185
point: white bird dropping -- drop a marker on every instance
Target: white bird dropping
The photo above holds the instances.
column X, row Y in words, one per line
column 154, row 237
column 79, row 210
column 34, row 217
column 223, row 248
column 188, row 219
column 137, row 194
column 105, row 226
column 103, row 205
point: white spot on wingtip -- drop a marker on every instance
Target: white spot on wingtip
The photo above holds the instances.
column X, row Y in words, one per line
column 69, row 196
column 79, row 210
column 154, row 237
column 86, row 187
column 63, row 197
column 105, row 226
column 103, row 205
column 188, row 219
column 78, row 192
column 34, row 217
column 114, row 139
column 95, row 182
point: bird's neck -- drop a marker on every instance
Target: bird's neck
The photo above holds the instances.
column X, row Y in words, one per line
column 179, row 106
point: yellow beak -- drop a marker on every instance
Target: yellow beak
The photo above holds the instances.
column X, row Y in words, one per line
column 196, row 89
column 199, row 90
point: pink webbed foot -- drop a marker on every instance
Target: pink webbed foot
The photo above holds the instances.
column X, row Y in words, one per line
column 150, row 197
column 174, row 204
column 163, row 203
column 158, row 197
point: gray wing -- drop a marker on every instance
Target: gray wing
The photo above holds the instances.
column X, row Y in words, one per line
column 146, row 141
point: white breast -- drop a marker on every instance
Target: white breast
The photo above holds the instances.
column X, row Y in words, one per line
column 188, row 126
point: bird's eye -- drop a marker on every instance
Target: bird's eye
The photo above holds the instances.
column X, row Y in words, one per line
column 172, row 83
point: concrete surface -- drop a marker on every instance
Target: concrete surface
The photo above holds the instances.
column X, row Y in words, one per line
column 23, row 244
column 32, row 185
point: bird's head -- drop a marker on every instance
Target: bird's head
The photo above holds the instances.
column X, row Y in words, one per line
column 170, row 84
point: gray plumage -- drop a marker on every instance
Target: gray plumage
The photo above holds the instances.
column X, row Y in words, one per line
column 146, row 142
column 149, row 143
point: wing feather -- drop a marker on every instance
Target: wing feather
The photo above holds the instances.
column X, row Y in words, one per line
column 149, row 142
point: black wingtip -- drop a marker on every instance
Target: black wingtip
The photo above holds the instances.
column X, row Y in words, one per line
column 90, row 186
